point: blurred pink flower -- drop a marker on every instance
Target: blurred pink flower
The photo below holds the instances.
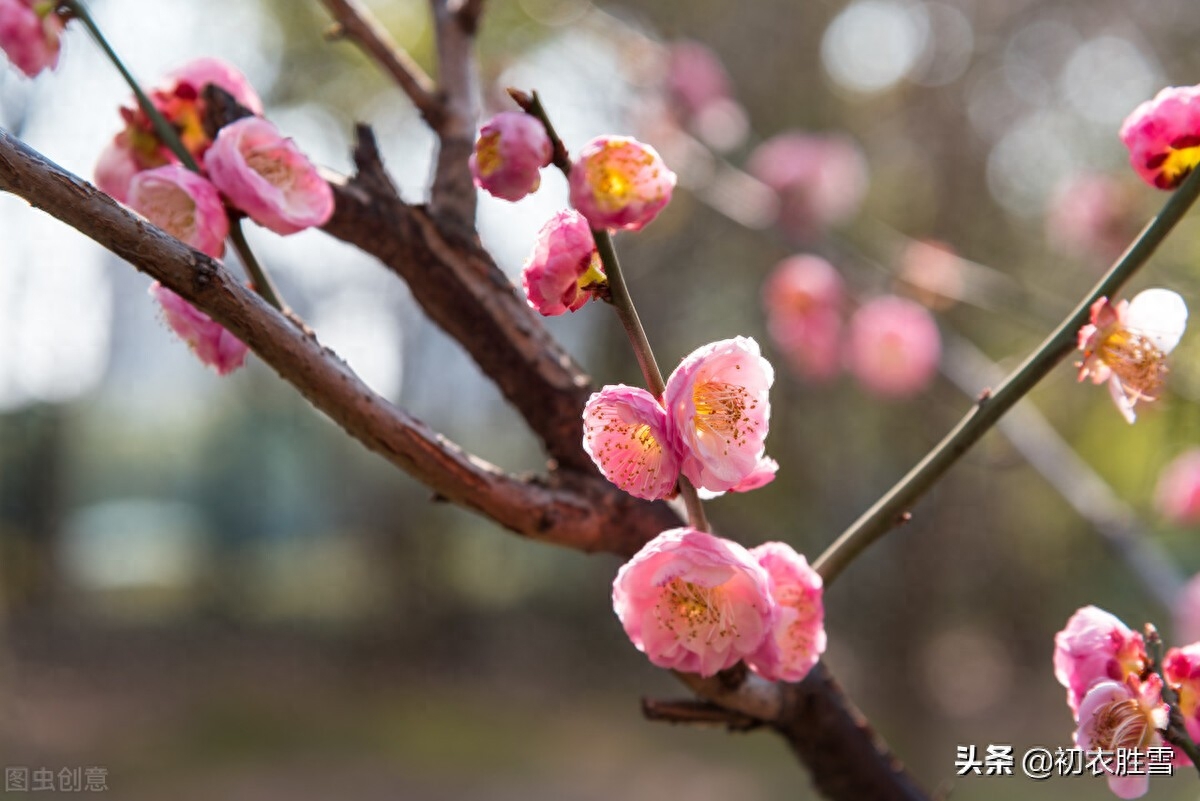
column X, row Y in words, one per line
column 511, row 150
column 266, row 176
column 183, row 204
column 30, row 34
column 717, row 399
column 1127, row 345
column 695, row 77
column 1091, row 215
column 1178, row 494
column 1123, row 716
column 797, row 639
column 1163, row 136
column 934, row 272
column 625, row 431
column 1095, row 646
column 564, row 271
column 619, row 182
column 693, row 602
column 214, row 346
column 803, row 299
column 178, row 98
column 1187, row 612
column 1181, row 667
column 894, row 347
column 821, row 180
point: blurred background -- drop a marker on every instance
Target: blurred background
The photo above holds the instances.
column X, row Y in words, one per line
column 209, row 591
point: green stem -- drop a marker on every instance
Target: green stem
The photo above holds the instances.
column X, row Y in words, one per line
column 889, row 510
column 619, row 297
column 170, row 137
column 258, row 276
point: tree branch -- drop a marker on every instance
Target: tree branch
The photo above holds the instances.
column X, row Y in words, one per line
column 567, row 515
column 353, row 21
column 576, row 508
column 452, row 196
column 466, row 294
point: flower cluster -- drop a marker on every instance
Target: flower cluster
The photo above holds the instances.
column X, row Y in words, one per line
column 710, row 425
column 31, row 34
column 1127, row 343
column 1115, row 695
column 247, row 164
column 892, row 346
column 698, row 603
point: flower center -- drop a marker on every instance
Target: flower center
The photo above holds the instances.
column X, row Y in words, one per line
column 173, row 210
column 1136, row 361
column 1177, row 162
column 266, row 163
column 693, row 611
column 487, row 154
column 1121, row 725
column 721, row 410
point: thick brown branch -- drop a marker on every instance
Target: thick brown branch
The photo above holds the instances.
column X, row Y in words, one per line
column 352, row 21
column 452, row 196
column 848, row 761
column 465, row 293
column 468, row 13
column 557, row 514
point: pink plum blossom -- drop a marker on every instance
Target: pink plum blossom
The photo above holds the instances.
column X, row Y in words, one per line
column 564, row 271
column 214, row 346
column 693, row 602
column 1181, row 667
column 717, row 400
column 1091, row 215
column 934, row 272
column 821, row 180
column 803, row 299
column 797, row 639
column 183, row 204
column 179, row 99
column 1127, row 345
column 511, row 150
column 266, row 176
column 619, row 182
column 894, row 347
column 1178, row 494
column 1123, row 715
column 1095, row 646
column 695, row 77
column 625, row 431
column 1163, row 136
column 30, row 34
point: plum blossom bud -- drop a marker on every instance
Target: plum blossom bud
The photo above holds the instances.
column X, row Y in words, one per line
column 803, row 299
column 184, row 205
column 693, row 602
column 695, row 77
column 894, row 347
column 625, row 431
column 619, row 182
column 30, row 34
column 211, row 343
column 797, row 639
column 1181, row 667
column 1163, row 136
column 820, row 179
column 266, row 176
column 1127, row 345
column 509, row 154
column 1095, row 646
column 720, row 412
column 1124, row 715
column 564, row 271
column 1178, row 494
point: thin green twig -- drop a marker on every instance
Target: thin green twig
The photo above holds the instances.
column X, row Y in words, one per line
column 889, row 510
